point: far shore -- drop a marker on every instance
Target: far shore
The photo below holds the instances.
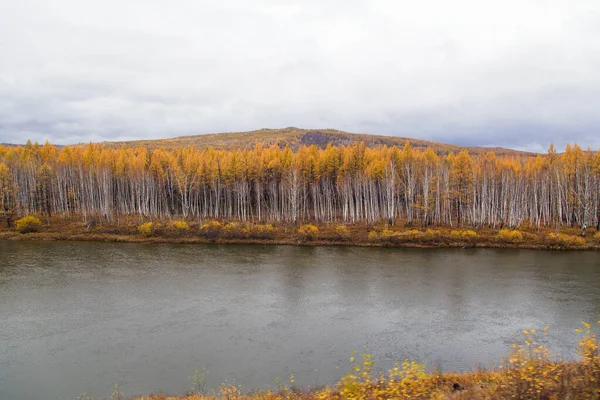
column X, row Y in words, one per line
column 400, row 235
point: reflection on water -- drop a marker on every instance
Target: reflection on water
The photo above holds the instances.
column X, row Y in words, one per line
column 77, row 317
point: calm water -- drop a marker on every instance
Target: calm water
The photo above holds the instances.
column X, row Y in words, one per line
column 77, row 317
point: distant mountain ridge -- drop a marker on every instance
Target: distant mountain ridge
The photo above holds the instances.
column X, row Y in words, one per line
column 296, row 137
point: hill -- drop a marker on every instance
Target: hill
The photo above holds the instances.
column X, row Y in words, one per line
column 295, row 137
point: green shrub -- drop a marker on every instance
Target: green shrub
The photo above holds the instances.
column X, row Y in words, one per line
column 308, row 232
column 211, row 229
column 508, row 236
column 146, row 229
column 28, row 224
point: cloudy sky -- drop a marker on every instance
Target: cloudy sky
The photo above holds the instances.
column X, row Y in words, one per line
column 514, row 73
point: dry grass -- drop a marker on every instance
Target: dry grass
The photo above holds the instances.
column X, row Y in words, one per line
column 132, row 229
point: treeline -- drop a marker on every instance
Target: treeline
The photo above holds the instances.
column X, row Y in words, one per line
column 349, row 184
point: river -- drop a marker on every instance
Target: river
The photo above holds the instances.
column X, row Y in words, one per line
column 76, row 317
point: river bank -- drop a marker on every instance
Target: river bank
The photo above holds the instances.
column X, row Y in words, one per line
column 399, row 235
column 529, row 372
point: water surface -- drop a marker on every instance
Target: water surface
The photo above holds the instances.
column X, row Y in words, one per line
column 77, row 317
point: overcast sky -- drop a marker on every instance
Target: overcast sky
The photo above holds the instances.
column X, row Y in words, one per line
column 513, row 73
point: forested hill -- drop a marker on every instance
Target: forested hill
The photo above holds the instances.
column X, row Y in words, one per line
column 296, row 137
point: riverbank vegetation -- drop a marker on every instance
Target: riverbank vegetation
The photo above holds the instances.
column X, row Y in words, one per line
column 530, row 371
column 338, row 185
column 212, row 231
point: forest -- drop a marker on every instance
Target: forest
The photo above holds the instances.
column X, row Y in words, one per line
column 341, row 184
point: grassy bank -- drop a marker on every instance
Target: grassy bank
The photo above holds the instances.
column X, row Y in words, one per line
column 398, row 235
column 529, row 372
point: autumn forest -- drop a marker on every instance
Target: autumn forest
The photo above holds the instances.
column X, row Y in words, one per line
column 344, row 184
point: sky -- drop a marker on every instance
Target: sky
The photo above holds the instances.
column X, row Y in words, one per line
column 511, row 73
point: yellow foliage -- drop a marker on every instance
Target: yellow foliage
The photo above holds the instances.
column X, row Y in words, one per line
column 28, row 224
column 463, row 234
column 597, row 237
column 387, row 235
column 433, row 235
column 342, row 232
column 357, row 383
column 588, row 348
column 409, row 236
column 373, row 236
column 409, row 381
column 508, row 236
column 146, row 229
column 211, row 229
column 530, row 371
column 412, row 235
column 561, row 239
column 181, row 225
column 261, row 231
column 191, row 166
column 308, row 231
column 230, row 390
column 234, row 230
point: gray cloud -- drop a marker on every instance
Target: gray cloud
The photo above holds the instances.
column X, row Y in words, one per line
column 513, row 73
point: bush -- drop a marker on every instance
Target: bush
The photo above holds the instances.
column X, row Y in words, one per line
column 597, row 237
column 234, row 230
column 146, row 229
column 342, row 233
column 508, row 236
column 388, row 235
column 181, row 226
column 530, row 368
column 308, row 232
column 261, row 231
column 560, row 239
column 211, row 229
column 412, row 235
column 28, row 224
column 373, row 236
column 463, row 234
column 433, row 236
